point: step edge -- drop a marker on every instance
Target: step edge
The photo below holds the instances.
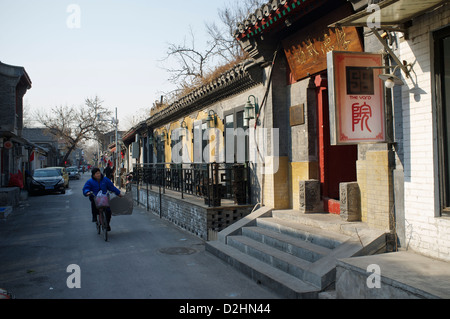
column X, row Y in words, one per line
column 334, row 238
column 299, row 243
column 272, row 275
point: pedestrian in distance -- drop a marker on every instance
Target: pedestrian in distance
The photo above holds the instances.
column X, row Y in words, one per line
column 109, row 171
column 93, row 186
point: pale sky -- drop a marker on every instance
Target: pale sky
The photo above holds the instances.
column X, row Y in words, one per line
column 114, row 54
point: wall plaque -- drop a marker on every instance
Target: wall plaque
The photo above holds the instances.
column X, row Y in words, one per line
column 297, row 115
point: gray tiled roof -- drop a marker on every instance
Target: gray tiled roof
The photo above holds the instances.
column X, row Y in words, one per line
column 38, row 135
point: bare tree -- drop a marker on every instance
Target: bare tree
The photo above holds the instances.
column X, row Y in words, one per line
column 133, row 119
column 222, row 34
column 75, row 125
column 191, row 62
column 192, row 65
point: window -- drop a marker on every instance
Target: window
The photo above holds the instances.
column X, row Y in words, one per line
column 198, row 142
column 235, row 129
column 442, row 80
column 160, row 150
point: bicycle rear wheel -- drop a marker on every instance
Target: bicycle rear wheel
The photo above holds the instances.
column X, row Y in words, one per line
column 104, row 225
column 98, row 224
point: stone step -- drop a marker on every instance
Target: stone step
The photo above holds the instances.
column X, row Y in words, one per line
column 301, row 248
column 277, row 280
column 288, row 244
column 324, row 221
column 314, row 235
column 288, row 263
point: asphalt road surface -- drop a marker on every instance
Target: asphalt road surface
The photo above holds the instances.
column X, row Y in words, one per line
column 146, row 257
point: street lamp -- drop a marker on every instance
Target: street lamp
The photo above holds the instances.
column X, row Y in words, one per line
column 164, row 136
column 391, row 80
column 250, row 109
column 211, row 120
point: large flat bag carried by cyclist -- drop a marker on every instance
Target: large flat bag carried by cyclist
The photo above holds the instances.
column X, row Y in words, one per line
column 122, row 206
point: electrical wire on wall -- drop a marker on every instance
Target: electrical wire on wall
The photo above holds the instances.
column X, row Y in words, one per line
column 264, row 101
column 257, row 117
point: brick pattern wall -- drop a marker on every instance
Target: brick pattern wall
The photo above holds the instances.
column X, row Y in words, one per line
column 375, row 182
column 7, row 103
column 425, row 233
column 276, row 186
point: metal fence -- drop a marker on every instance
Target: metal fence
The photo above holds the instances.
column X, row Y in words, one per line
column 211, row 181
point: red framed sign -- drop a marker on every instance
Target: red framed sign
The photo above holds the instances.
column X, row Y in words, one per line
column 357, row 109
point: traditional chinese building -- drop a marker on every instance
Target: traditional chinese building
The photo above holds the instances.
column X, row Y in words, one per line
column 343, row 137
column 415, row 45
column 185, row 148
column 300, row 33
column 361, row 85
column 14, row 83
column 414, row 38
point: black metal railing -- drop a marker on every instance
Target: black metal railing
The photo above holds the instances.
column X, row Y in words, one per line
column 211, row 181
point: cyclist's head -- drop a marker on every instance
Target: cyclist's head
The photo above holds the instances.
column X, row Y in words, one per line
column 96, row 173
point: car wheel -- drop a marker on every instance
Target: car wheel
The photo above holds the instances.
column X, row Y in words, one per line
column 63, row 192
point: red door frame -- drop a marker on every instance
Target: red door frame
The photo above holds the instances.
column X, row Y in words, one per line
column 336, row 163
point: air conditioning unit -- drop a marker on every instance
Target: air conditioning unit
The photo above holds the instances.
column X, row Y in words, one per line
column 135, row 150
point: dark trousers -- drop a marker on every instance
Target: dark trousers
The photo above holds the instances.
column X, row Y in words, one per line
column 95, row 212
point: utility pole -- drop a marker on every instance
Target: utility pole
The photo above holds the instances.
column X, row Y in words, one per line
column 98, row 141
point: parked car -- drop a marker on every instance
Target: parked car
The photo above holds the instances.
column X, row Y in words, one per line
column 47, row 180
column 73, row 172
column 64, row 174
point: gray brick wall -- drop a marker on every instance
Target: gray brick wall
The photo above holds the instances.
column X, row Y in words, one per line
column 189, row 215
column 7, row 103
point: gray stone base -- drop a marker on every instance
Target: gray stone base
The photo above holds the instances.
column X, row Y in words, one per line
column 403, row 275
column 191, row 213
column 310, row 199
column 10, row 196
column 350, row 197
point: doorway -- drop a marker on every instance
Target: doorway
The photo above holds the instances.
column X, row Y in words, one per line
column 337, row 164
column 442, row 89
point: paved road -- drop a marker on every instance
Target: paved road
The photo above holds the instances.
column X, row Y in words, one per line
column 51, row 232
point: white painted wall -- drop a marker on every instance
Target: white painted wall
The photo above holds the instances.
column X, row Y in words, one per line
column 426, row 232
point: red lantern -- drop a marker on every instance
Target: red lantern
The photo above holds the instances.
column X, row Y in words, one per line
column 8, row 145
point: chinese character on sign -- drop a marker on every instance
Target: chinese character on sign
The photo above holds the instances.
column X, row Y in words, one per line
column 361, row 115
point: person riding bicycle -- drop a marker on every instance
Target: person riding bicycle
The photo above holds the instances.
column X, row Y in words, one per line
column 98, row 183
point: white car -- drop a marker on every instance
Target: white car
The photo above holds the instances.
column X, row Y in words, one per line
column 73, row 172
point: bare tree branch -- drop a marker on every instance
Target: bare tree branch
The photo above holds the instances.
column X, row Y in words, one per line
column 74, row 125
column 189, row 66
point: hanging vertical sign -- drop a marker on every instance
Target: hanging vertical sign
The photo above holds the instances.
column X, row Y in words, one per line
column 357, row 111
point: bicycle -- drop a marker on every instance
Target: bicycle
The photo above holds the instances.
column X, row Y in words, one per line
column 102, row 224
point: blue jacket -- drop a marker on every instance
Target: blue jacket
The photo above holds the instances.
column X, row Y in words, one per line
column 104, row 185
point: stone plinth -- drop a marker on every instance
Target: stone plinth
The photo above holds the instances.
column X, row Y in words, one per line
column 309, row 196
column 350, row 197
